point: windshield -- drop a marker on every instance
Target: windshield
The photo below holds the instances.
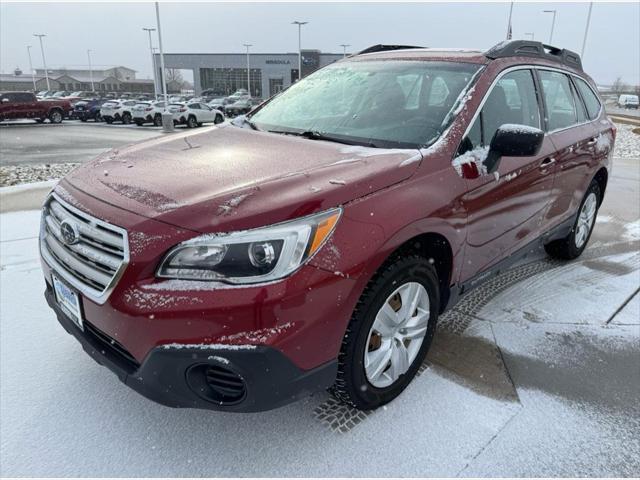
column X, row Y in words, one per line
column 377, row 103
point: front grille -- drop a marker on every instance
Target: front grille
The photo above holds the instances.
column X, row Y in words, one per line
column 92, row 262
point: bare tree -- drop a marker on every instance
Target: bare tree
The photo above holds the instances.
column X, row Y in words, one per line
column 618, row 86
column 174, row 75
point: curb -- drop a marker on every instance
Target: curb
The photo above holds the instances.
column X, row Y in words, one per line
column 29, row 196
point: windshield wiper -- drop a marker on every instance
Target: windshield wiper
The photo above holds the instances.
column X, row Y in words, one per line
column 316, row 135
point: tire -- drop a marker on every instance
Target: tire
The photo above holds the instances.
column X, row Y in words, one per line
column 354, row 384
column 139, row 123
column 218, row 119
column 574, row 244
column 192, row 122
column 55, row 116
column 97, row 118
column 126, row 118
column 157, row 120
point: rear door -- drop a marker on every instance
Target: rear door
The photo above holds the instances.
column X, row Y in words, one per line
column 574, row 137
column 505, row 210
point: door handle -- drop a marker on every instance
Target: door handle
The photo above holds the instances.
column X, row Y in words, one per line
column 547, row 162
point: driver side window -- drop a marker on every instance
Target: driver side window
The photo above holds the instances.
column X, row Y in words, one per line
column 513, row 99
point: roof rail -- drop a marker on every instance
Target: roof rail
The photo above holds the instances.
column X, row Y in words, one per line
column 529, row 48
column 385, row 48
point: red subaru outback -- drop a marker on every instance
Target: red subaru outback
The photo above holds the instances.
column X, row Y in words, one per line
column 314, row 242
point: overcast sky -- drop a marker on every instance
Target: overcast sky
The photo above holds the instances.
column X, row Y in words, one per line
column 114, row 30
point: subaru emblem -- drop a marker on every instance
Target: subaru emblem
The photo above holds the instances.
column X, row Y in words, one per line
column 69, row 232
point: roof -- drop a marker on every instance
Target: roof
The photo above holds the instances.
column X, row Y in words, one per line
column 10, row 77
column 424, row 53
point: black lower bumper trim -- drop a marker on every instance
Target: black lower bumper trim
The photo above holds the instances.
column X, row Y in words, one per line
column 271, row 379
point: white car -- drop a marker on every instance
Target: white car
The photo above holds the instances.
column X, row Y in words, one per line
column 628, row 101
column 148, row 112
column 117, row 111
column 194, row 114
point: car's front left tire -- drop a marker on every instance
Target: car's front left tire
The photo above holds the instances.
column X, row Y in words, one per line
column 574, row 244
column 389, row 333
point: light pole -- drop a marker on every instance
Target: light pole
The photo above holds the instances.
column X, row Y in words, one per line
column 344, row 49
column 153, row 61
column 93, row 88
column 167, row 117
column 299, row 46
column 248, row 74
column 33, row 76
column 532, row 35
column 44, row 62
column 509, row 30
column 586, row 30
column 553, row 23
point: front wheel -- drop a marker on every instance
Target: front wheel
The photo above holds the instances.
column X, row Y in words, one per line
column 574, row 244
column 192, row 122
column 55, row 116
column 218, row 119
column 126, row 118
column 389, row 333
column 157, row 120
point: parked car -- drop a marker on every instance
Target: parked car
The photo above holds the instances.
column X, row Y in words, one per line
column 628, row 101
column 148, row 112
column 85, row 110
column 194, row 114
column 316, row 242
column 18, row 105
column 240, row 107
column 117, row 111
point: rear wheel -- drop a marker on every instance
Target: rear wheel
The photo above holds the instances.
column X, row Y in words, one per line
column 126, row 118
column 574, row 244
column 389, row 333
column 157, row 120
column 55, row 116
column 97, row 118
column 192, row 122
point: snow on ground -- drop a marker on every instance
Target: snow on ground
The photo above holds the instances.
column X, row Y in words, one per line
column 525, row 377
column 627, row 143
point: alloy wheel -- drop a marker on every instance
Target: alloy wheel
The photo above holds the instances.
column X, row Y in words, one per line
column 397, row 334
column 586, row 219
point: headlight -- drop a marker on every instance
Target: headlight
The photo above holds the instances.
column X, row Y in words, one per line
column 254, row 256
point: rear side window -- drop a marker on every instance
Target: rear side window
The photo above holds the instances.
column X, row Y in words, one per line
column 513, row 100
column 590, row 99
column 559, row 100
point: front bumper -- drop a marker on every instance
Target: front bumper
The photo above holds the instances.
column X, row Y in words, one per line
column 175, row 375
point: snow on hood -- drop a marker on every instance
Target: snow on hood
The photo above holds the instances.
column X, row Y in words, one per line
column 202, row 179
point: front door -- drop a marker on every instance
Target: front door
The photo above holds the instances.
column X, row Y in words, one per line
column 506, row 209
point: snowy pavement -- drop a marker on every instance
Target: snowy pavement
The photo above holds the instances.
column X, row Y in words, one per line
column 534, row 374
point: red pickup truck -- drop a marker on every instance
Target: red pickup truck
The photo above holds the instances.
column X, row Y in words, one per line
column 16, row 105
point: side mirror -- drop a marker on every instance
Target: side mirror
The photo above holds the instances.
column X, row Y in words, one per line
column 512, row 140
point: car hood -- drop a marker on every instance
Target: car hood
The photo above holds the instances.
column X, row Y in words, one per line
column 228, row 178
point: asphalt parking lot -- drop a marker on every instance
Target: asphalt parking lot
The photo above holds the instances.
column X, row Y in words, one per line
column 536, row 373
column 29, row 143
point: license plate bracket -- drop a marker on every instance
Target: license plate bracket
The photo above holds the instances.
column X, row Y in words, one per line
column 69, row 300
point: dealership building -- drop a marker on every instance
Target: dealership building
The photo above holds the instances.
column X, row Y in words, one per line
column 227, row 72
